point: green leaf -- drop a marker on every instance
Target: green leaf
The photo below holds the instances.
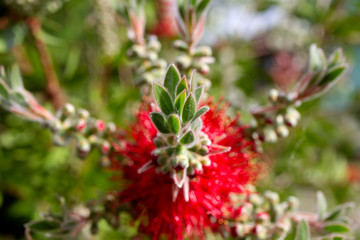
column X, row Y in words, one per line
column 160, row 122
column 339, row 211
column 303, row 232
column 189, row 109
column 198, row 92
column 337, row 228
column 19, row 98
column 202, row 5
column 179, row 102
column 4, row 91
column 193, row 81
column 338, row 238
column 43, row 226
column 200, row 112
column 317, row 58
column 188, row 138
column 172, row 78
column 332, row 75
column 181, row 86
column 16, row 80
column 163, row 99
column 321, row 205
column 174, row 123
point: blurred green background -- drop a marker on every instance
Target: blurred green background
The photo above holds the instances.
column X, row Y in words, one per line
column 257, row 45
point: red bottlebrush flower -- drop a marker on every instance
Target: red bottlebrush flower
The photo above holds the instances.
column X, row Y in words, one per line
column 151, row 192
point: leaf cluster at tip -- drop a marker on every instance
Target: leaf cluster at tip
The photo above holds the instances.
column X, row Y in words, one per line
column 178, row 101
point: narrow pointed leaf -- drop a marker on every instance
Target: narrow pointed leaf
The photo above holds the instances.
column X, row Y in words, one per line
column 332, row 75
column 163, row 99
column 160, row 122
column 189, row 109
column 4, row 91
column 321, row 205
column 180, row 101
column 19, row 98
column 202, row 5
column 337, row 228
column 174, row 123
column 181, row 86
column 303, row 232
column 198, row 92
column 200, row 112
column 188, row 138
column 16, row 80
column 193, row 81
column 172, row 78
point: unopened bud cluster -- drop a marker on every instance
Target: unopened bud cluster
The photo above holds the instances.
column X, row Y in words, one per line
column 191, row 24
column 255, row 216
column 149, row 66
column 198, row 58
column 273, row 121
column 270, row 126
column 88, row 132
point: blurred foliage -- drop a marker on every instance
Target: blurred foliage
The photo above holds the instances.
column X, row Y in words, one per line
column 323, row 152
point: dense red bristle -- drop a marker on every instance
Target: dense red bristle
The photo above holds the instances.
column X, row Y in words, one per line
column 150, row 193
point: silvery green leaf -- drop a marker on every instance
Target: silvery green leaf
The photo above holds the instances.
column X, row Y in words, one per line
column 332, row 75
column 321, row 205
column 188, row 138
column 174, row 123
column 337, row 228
column 303, row 232
column 189, row 109
column 16, row 79
column 172, row 78
column 182, row 85
column 43, row 226
column 18, row 98
column 336, row 57
column 200, row 112
column 179, row 102
column 193, row 81
column 198, row 92
column 160, row 122
column 317, row 58
column 4, row 90
column 163, row 99
column 202, row 6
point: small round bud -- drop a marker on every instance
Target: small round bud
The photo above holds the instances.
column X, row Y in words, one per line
column 105, row 147
column 293, row 203
column 154, row 45
column 255, row 199
column 282, row 131
column 81, row 125
column 260, row 231
column 270, row 135
column 205, row 161
column 203, row 151
column 82, row 113
column 262, row 217
column 68, row 109
column 273, row 95
column 111, row 127
column 180, row 45
column 204, row 69
column 183, row 62
column 272, row 197
column 203, row 51
column 83, row 148
column 197, row 166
